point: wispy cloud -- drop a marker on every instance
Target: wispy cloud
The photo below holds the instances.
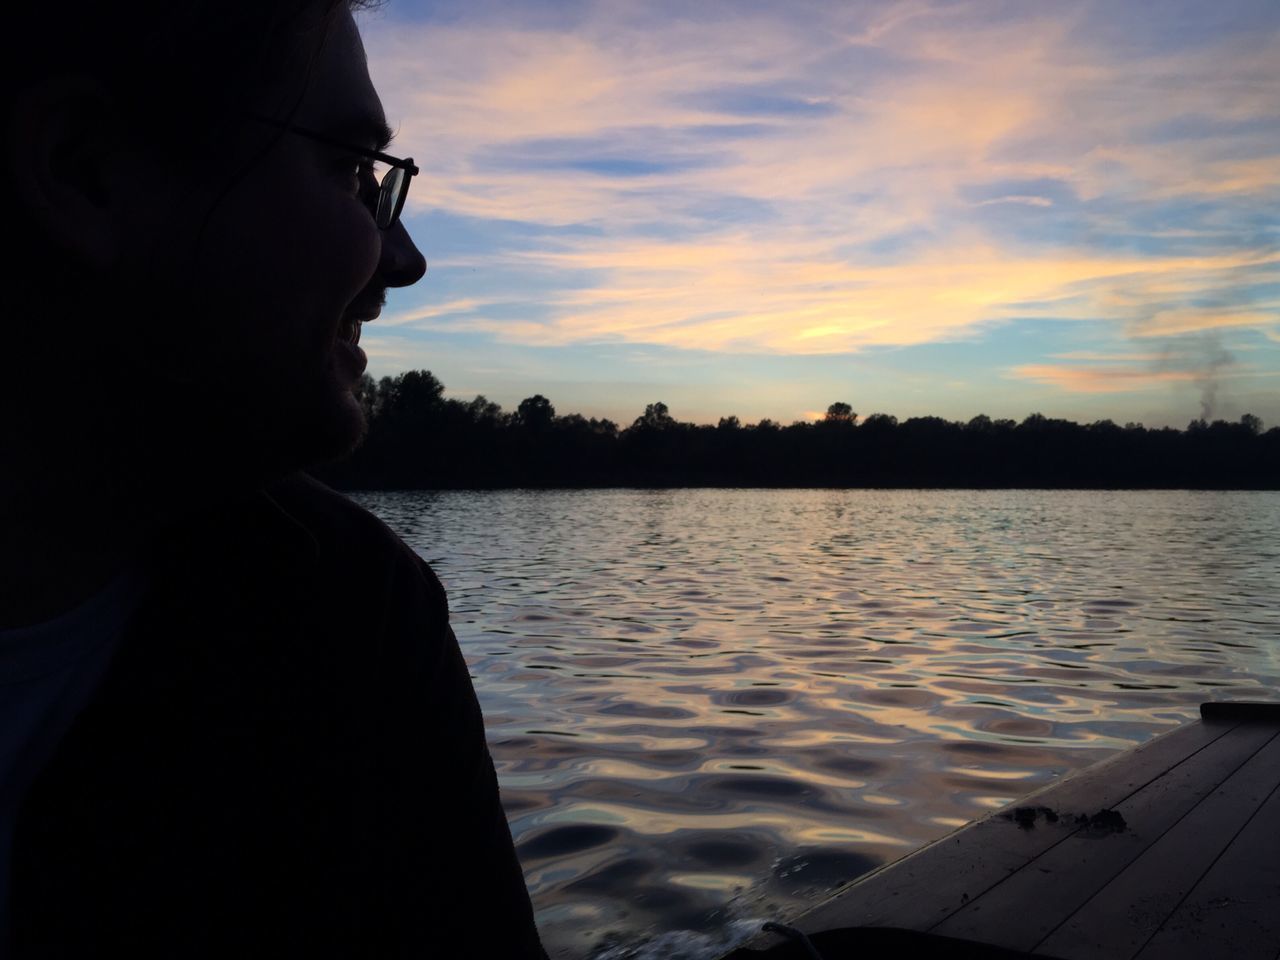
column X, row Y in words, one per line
column 1182, row 320
column 1102, row 357
column 1029, row 200
column 432, row 312
column 1201, row 360
column 1110, row 379
column 799, row 296
column 821, row 178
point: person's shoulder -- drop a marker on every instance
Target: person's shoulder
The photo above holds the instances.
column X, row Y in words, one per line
column 329, row 516
column 348, row 538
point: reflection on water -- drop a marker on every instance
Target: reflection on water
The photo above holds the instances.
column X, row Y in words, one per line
column 710, row 707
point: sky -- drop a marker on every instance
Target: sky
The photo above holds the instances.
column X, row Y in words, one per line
column 921, row 207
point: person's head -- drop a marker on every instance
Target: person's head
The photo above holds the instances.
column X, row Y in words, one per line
column 191, row 261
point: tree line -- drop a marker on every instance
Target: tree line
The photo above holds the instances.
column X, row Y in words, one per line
column 418, row 439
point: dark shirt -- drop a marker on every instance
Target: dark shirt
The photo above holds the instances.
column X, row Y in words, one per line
column 285, row 758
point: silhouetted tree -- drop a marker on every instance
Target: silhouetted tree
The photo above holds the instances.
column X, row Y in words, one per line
column 655, row 417
column 840, row 413
column 880, row 422
column 535, row 413
column 418, row 438
column 484, row 410
column 411, row 394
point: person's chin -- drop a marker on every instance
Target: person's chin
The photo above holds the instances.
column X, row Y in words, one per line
column 326, row 426
column 335, row 427
column 349, row 428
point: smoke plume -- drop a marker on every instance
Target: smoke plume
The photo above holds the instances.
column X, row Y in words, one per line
column 1207, row 358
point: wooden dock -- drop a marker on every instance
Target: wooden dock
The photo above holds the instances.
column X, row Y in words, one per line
column 1169, row 850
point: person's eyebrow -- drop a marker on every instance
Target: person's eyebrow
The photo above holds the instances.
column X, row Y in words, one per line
column 365, row 128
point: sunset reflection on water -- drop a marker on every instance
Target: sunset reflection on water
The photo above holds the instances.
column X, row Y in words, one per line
column 709, row 707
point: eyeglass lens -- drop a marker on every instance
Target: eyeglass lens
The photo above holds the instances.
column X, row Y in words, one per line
column 391, row 197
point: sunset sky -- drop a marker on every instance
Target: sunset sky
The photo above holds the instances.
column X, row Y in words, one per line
column 917, row 207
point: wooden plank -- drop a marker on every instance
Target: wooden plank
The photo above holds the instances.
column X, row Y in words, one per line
column 1237, row 710
column 925, row 887
column 1233, row 913
column 1127, row 912
column 1021, row 910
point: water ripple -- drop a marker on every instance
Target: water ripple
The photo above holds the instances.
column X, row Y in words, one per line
column 708, row 707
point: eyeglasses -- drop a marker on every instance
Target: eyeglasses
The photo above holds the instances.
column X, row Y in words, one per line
column 394, row 186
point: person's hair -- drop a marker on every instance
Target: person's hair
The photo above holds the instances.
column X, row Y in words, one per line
column 180, row 68
column 181, row 73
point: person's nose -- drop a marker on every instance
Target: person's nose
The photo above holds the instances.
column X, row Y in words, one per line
column 402, row 263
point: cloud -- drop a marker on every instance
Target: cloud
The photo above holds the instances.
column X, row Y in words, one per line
column 1181, row 320
column 1029, row 201
column 1104, row 357
column 389, row 352
column 796, row 295
column 832, row 177
column 1077, row 379
column 416, row 316
column 1203, row 361
column 758, row 101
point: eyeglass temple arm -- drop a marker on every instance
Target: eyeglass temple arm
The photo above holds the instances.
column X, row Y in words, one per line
column 406, row 164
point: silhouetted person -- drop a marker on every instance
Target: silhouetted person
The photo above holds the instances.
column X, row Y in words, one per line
column 234, row 720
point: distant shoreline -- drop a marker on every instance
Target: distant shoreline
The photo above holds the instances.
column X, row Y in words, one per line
column 419, row 440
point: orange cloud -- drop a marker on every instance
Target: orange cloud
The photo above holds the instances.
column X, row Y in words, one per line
column 795, row 296
column 983, row 102
column 1192, row 319
column 1102, row 379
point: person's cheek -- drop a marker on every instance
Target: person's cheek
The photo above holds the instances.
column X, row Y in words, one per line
column 333, row 254
column 364, row 251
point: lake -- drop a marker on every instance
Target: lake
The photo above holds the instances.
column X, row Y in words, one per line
column 709, row 708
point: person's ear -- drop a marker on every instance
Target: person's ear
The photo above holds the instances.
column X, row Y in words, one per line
column 63, row 166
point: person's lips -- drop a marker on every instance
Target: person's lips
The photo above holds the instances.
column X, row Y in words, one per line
column 349, row 332
column 347, row 347
column 352, row 321
column 367, row 306
column 357, row 314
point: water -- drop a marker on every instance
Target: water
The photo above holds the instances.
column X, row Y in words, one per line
column 708, row 708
